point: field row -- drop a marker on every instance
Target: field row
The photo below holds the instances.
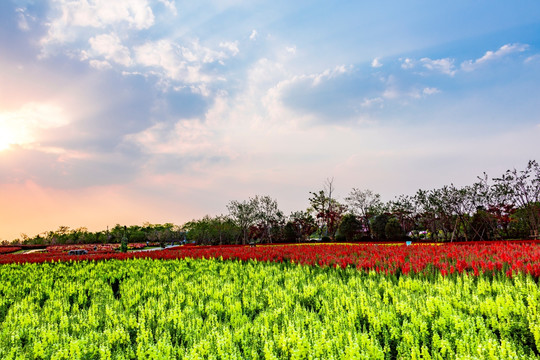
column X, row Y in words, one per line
column 212, row 309
column 447, row 259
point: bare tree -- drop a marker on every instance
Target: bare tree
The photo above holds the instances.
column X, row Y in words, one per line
column 365, row 204
column 269, row 217
column 522, row 189
column 328, row 210
column 244, row 214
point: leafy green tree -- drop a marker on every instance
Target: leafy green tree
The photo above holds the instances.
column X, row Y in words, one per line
column 393, row 229
column 290, row 232
column 378, row 226
column 350, row 227
column 209, row 230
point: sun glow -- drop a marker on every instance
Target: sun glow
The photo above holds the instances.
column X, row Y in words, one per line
column 21, row 127
column 10, row 134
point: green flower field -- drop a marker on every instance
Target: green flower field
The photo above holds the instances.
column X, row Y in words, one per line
column 209, row 308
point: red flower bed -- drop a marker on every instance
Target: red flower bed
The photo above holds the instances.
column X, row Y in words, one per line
column 391, row 259
column 91, row 248
column 9, row 249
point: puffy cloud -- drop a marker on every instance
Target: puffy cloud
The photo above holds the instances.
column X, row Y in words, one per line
column 430, row 91
column 197, row 53
column 176, row 62
column 445, row 66
column 170, row 5
column 376, row 63
column 187, row 137
column 73, row 22
column 112, row 35
column 102, row 13
column 407, row 63
column 329, row 74
column 110, row 47
column 489, row 56
column 253, row 35
column 231, row 46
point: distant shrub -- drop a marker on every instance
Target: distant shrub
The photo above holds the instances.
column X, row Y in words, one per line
column 393, row 230
column 341, row 238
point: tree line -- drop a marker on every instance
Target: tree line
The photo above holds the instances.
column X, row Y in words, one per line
column 504, row 207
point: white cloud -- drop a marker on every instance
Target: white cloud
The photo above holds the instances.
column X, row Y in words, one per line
column 174, row 62
column 22, row 19
column 110, row 47
column 267, row 67
column 370, row 102
column 391, row 92
column 198, row 140
column 231, row 46
column 107, row 33
column 395, row 91
column 376, row 63
column 291, row 49
column 100, row 64
column 189, row 137
column 503, row 51
column 161, row 54
column 73, row 21
column 407, row 64
column 329, row 74
column 253, row 35
column 532, row 59
column 169, row 4
column 101, row 13
column 197, row 53
column 445, row 66
column 430, row 91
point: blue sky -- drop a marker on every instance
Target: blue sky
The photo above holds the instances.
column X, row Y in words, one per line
column 164, row 111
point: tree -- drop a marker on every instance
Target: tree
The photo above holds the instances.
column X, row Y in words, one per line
column 244, row 214
column 328, row 210
column 522, row 190
column 404, row 209
column 268, row 217
column 216, row 230
column 481, row 225
column 393, row 229
column 378, row 226
column 350, row 227
column 304, row 224
column 365, row 204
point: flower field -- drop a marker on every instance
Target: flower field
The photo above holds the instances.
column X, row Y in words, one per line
column 475, row 258
column 338, row 301
column 9, row 249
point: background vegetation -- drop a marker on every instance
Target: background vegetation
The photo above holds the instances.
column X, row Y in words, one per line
column 506, row 207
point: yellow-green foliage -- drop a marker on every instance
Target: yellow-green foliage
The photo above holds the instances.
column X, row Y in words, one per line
column 210, row 309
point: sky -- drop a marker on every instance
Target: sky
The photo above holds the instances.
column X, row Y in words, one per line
column 130, row 111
